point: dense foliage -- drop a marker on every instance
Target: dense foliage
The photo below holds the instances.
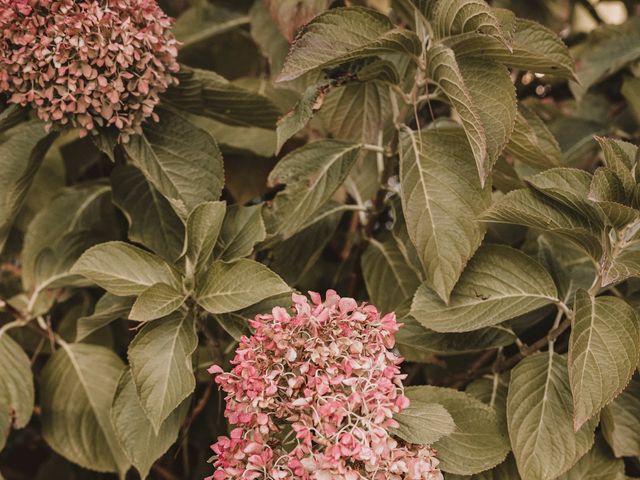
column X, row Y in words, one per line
column 470, row 166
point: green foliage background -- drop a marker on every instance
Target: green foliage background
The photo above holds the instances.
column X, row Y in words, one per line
column 472, row 166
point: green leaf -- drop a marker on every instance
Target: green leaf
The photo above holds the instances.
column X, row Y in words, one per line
column 598, row 464
column 456, row 17
column 16, row 386
column 423, row 423
column 344, row 34
column 21, row 154
column 608, row 50
column 622, row 266
column 603, row 352
column 569, row 187
column 78, row 383
column 535, row 210
column 206, row 93
column 124, row 270
column 142, row 445
column 160, row 359
column 228, row 287
column 477, row 443
column 312, row 174
column 203, row 21
column 152, row 221
column 157, row 301
column 621, row 421
column 109, row 308
column 531, row 141
column 390, row 281
column 421, row 339
column 534, row 47
column 540, row 411
column 241, row 230
column 483, row 95
column 182, row 161
column 203, row 227
column 499, row 283
column 441, row 200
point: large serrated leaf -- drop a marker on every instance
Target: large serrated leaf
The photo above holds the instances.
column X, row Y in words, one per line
column 20, row 156
column 423, row 423
column 160, row 359
column 78, row 383
column 181, row 160
column 483, row 95
column 16, row 386
column 441, row 199
column 603, row 352
column 456, row 17
column 124, row 270
column 312, row 174
column 621, row 421
column 228, row 287
column 390, row 281
column 344, row 34
column 499, row 283
column 540, row 418
column 533, row 47
column 142, row 445
column 152, row 221
column 477, row 443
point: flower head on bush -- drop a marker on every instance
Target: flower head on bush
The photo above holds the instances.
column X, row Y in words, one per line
column 87, row 63
column 312, row 395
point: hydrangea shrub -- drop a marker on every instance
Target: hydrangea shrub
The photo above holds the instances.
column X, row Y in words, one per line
column 459, row 176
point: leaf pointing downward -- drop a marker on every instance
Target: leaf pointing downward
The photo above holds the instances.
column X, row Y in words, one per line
column 343, row 34
column 603, row 352
column 539, row 417
column 442, row 200
column 160, row 359
column 483, row 95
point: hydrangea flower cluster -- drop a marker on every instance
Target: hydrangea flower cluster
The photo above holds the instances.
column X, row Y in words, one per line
column 312, row 396
column 87, row 63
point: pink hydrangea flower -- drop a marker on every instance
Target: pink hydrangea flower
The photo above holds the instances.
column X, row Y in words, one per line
column 87, row 63
column 312, row 396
